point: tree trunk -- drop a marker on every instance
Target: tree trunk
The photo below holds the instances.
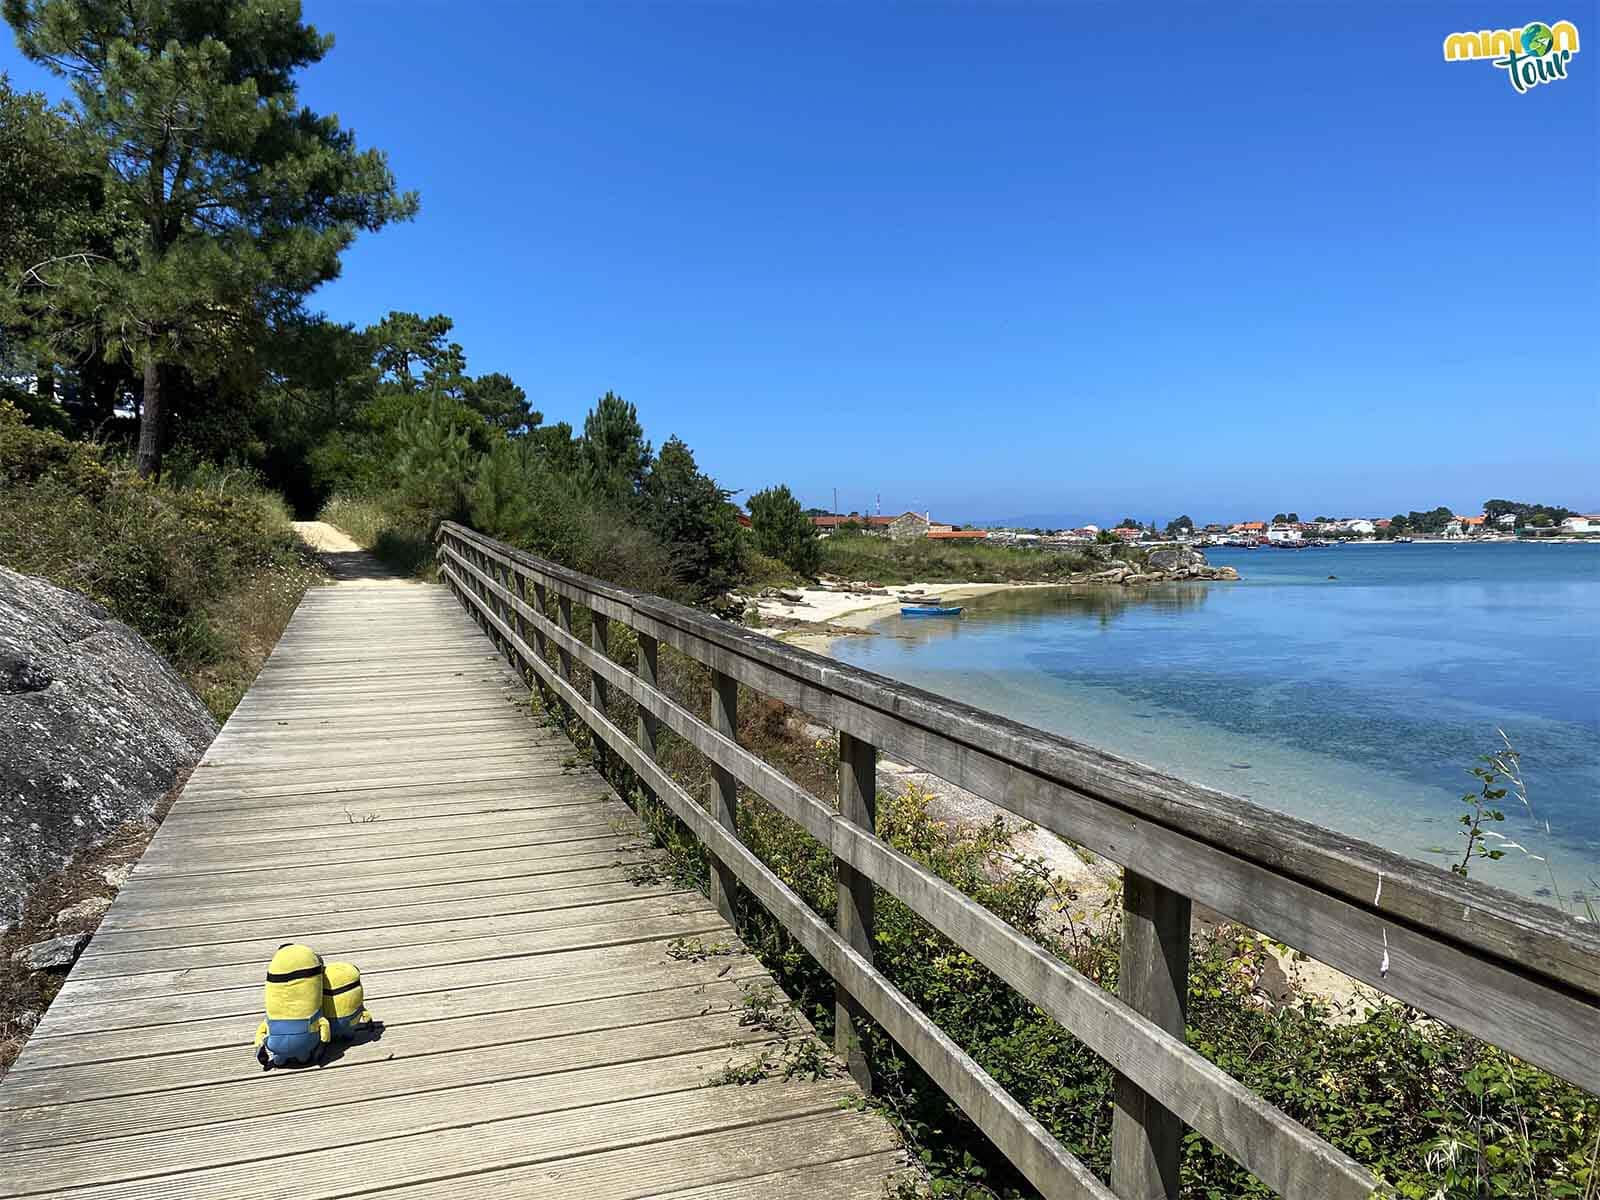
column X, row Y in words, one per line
column 152, row 424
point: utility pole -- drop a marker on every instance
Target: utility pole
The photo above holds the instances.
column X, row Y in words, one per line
column 836, row 502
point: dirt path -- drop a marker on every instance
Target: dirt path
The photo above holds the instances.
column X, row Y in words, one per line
column 346, row 561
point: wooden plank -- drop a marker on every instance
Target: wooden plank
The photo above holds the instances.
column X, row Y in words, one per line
column 509, row 800
column 361, row 941
column 323, row 854
column 542, row 602
column 363, row 750
column 529, row 848
column 192, row 897
column 465, row 1147
column 168, row 1057
column 244, row 798
column 138, row 910
column 318, row 827
column 374, row 715
column 128, row 939
column 771, row 1160
column 439, row 1087
column 89, row 990
column 89, row 1011
column 266, row 1139
column 221, row 793
column 440, row 768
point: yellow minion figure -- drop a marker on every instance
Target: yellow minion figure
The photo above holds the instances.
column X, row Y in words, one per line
column 344, row 1000
column 295, row 1030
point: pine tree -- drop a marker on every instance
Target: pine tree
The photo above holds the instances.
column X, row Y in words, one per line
column 501, row 402
column 782, row 530
column 501, row 501
column 243, row 200
column 615, row 454
column 436, row 463
column 691, row 515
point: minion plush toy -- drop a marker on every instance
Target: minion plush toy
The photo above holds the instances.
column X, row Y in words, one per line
column 295, row 1030
column 343, row 1000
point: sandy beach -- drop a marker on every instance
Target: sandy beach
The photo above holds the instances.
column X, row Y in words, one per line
column 834, row 611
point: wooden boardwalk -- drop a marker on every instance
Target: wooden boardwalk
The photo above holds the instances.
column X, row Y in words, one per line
column 383, row 795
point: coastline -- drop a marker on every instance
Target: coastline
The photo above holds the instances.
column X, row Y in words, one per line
column 1091, row 882
column 833, row 611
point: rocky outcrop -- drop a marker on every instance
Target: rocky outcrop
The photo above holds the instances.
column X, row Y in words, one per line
column 54, row 954
column 97, row 728
column 1164, row 564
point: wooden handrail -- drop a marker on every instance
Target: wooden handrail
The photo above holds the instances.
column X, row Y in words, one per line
column 1519, row 974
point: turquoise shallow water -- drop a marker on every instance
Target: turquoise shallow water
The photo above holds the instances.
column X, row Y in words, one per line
column 1359, row 703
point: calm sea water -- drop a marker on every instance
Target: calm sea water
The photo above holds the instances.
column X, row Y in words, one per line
column 1359, row 703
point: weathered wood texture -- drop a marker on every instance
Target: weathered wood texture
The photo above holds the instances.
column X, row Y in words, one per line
column 1146, row 1136
column 383, row 794
column 858, row 804
column 1512, row 971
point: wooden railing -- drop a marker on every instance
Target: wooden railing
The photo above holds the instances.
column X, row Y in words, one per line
column 1516, row 973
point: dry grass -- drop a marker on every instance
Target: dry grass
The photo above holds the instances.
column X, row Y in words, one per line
column 247, row 623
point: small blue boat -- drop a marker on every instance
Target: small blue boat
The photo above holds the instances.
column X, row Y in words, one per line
column 930, row 610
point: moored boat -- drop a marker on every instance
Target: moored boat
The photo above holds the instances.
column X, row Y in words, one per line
column 930, row 610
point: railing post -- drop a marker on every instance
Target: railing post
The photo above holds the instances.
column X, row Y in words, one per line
column 478, row 586
column 858, row 804
column 648, row 651
column 470, row 582
column 599, row 691
column 724, row 788
column 1146, row 1138
column 495, row 571
column 563, row 655
column 519, row 588
column 542, row 603
column 442, row 542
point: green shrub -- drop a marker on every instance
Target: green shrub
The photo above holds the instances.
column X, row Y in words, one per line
column 879, row 559
column 762, row 570
column 168, row 559
column 781, row 530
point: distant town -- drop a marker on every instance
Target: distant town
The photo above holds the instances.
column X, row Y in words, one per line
column 1500, row 520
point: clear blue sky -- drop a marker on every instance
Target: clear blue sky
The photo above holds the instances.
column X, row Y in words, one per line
column 1005, row 259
